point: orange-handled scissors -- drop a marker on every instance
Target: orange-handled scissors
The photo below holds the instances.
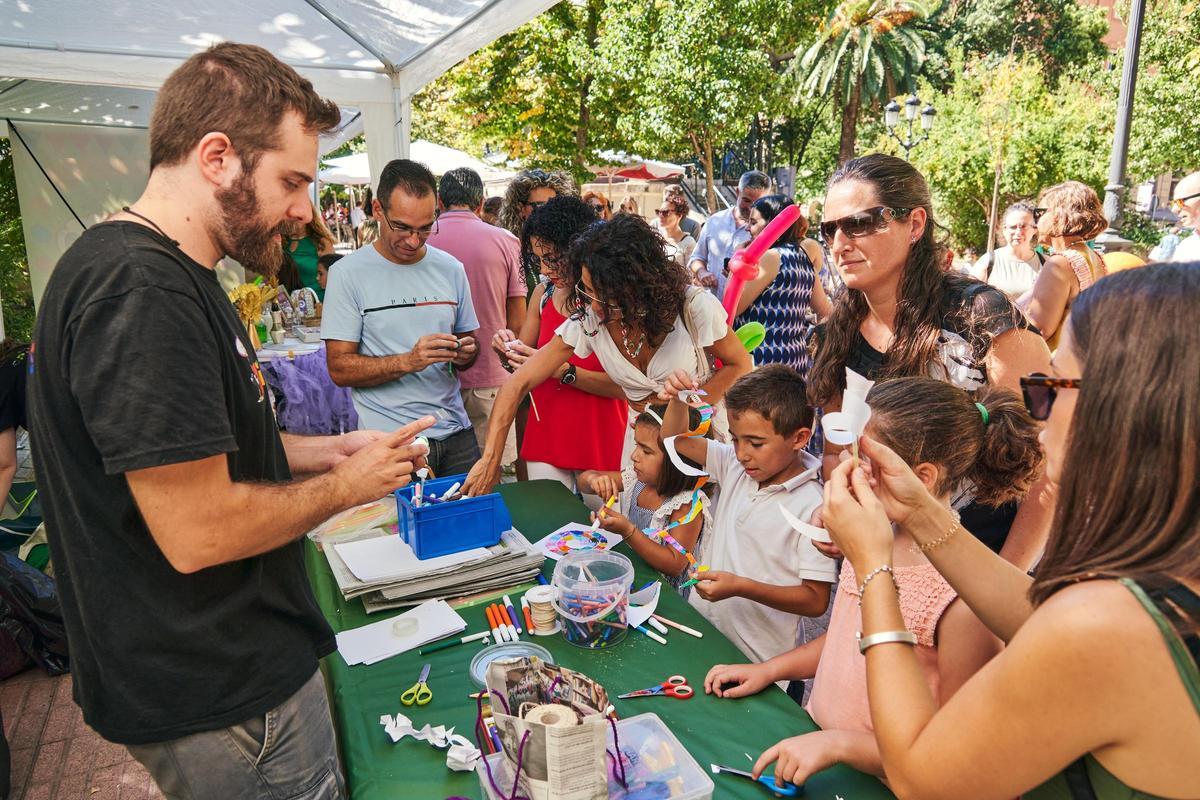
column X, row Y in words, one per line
column 674, row 686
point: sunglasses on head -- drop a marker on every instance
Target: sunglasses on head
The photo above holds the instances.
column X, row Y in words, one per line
column 862, row 223
column 1040, row 391
column 1179, row 202
column 538, row 174
column 1037, row 214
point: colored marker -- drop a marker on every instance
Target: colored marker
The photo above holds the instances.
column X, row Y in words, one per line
column 497, row 629
column 449, row 493
column 658, row 626
column 475, row 637
column 542, row 579
column 512, row 629
column 676, row 625
column 650, row 633
column 512, row 613
column 528, row 615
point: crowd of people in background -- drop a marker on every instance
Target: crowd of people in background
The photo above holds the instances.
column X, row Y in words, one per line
column 1007, row 605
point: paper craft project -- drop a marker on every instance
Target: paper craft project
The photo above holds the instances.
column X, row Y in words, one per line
column 642, row 604
column 680, row 464
column 807, row 529
column 370, row 644
column 461, row 756
column 845, row 427
column 357, row 520
column 574, row 537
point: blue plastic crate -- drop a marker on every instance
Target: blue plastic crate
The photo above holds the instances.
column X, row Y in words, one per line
column 437, row 529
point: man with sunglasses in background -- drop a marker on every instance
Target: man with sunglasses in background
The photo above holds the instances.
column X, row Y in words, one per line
column 398, row 322
column 1187, row 205
column 725, row 232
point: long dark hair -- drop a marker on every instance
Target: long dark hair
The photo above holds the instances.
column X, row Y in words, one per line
column 929, row 421
column 631, row 270
column 1129, row 493
column 925, row 290
column 769, row 207
column 670, row 480
column 557, row 224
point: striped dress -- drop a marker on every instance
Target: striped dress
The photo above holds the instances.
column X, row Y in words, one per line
column 781, row 308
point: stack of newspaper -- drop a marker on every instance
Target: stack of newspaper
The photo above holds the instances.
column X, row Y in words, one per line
column 370, row 560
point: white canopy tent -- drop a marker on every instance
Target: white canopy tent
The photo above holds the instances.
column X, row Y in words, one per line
column 354, row 170
column 79, row 76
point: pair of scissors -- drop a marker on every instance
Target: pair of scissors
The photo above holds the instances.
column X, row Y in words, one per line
column 674, row 686
column 788, row 789
column 419, row 693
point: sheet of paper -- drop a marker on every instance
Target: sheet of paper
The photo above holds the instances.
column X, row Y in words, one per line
column 373, row 643
column 613, row 539
column 642, row 604
column 391, row 557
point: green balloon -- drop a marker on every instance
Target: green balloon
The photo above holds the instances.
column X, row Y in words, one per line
column 751, row 335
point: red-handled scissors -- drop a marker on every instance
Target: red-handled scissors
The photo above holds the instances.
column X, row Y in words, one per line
column 674, row 686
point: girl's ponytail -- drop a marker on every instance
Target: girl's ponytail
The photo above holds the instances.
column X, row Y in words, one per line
column 1010, row 457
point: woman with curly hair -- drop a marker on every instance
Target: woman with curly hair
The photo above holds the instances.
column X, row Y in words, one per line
column 1069, row 215
column 671, row 214
column 901, row 315
column 554, row 444
column 638, row 314
column 527, row 192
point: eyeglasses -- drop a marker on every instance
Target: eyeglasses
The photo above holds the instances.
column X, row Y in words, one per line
column 536, row 205
column 1037, row 214
column 552, row 263
column 1178, row 203
column 597, row 207
column 1040, row 390
column 662, row 212
column 862, row 223
column 584, row 296
column 407, row 231
column 538, row 174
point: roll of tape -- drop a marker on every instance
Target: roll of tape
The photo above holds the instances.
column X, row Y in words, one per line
column 552, row 716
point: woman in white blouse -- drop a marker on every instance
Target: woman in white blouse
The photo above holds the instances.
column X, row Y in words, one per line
column 640, row 316
column 1013, row 269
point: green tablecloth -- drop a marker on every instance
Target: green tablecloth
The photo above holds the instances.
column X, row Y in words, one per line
column 712, row 730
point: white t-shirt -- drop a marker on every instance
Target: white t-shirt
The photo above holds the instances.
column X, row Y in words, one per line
column 1188, row 249
column 749, row 537
column 357, row 216
column 707, row 321
column 1009, row 274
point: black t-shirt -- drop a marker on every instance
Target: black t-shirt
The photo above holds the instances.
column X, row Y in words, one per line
column 972, row 315
column 139, row 360
column 13, row 371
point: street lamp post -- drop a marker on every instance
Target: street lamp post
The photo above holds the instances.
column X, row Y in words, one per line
column 1114, row 191
column 891, row 118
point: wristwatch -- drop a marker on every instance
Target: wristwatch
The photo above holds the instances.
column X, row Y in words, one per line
column 569, row 376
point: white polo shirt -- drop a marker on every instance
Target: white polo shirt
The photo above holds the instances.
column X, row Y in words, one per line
column 749, row 537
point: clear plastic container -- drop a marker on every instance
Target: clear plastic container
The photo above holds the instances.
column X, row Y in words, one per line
column 656, row 765
column 592, row 597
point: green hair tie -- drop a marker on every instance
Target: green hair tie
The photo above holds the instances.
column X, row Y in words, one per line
column 983, row 413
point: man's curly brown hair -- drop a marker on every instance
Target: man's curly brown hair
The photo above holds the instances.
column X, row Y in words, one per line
column 631, row 270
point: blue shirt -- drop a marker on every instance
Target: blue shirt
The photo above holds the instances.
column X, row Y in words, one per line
column 722, row 235
column 386, row 307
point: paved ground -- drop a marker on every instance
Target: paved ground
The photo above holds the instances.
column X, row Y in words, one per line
column 55, row 756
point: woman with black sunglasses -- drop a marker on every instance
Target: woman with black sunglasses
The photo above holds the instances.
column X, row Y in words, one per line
column 903, row 314
column 1097, row 694
column 527, row 192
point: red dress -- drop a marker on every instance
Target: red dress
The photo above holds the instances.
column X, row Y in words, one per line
column 577, row 430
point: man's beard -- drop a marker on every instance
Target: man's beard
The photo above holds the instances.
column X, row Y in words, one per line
column 243, row 234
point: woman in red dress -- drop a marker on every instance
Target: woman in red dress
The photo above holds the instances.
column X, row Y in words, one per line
column 578, row 418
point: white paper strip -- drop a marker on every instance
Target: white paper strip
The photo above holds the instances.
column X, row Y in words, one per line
column 646, row 601
column 680, row 464
column 811, row 531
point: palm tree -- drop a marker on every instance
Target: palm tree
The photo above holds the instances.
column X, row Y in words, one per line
column 867, row 50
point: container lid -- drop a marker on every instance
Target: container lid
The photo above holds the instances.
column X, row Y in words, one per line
column 599, row 569
column 503, row 651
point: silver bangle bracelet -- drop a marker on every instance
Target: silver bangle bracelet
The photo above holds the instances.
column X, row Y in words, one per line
column 865, row 643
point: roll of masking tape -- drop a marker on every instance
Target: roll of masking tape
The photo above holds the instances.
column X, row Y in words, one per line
column 552, row 716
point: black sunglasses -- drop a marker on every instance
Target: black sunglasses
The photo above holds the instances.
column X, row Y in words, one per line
column 1037, row 214
column 862, row 223
column 1040, row 390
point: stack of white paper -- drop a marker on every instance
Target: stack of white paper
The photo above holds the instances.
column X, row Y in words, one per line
column 373, row 643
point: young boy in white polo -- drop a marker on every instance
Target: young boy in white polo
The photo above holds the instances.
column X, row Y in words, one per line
column 763, row 576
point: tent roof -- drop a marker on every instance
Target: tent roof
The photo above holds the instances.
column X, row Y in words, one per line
column 352, row 50
column 354, row 170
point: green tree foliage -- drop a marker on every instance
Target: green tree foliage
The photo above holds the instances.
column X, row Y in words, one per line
column 1165, row 136
column 1039, row 135
column 867, row 51
column 15, row 291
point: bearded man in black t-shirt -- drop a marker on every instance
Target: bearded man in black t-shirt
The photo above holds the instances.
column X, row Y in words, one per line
column 173, row 515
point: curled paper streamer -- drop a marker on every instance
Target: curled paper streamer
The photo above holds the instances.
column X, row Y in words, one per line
column 462, row 754
column 642, row 604
column 806, row 529
column 680, row 464
column 845, row 427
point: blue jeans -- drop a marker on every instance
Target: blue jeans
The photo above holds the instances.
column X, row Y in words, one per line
column 287, row 754
column 453, row 454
